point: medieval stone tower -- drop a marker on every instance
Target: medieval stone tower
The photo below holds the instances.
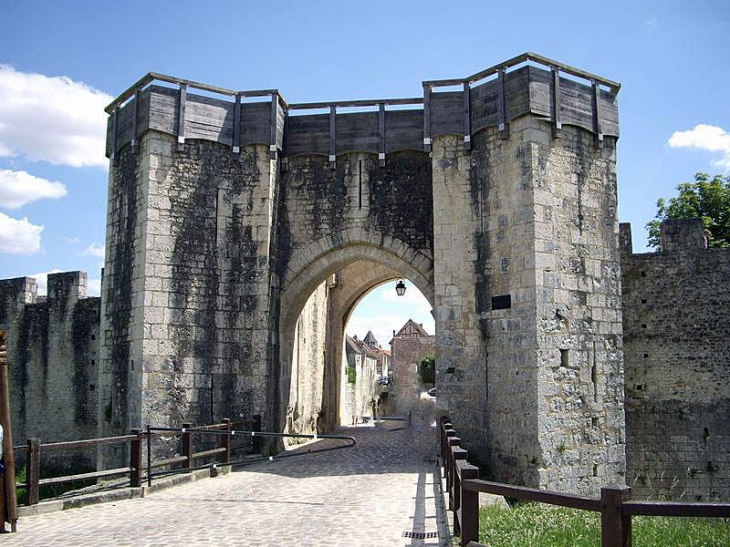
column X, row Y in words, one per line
column 242, row 230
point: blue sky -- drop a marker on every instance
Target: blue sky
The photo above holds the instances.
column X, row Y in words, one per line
column 62, row 61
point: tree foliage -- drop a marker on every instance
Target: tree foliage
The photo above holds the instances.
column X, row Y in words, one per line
column 427, row 369
column 706, row 198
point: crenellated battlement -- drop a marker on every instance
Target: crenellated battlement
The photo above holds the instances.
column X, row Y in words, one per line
column 494, row 97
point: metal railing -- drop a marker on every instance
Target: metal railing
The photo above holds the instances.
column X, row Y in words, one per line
column 614, row 505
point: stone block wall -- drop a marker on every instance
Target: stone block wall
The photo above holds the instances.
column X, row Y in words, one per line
column 531, row 318
column 53, row 352
column 677, row 355
column 197, row 334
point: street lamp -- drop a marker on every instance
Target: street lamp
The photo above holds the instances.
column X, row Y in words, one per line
column 400, row 287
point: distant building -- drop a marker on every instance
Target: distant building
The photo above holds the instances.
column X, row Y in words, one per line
column 408, row 347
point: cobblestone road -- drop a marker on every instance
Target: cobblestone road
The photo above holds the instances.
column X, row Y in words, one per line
column 375, row 494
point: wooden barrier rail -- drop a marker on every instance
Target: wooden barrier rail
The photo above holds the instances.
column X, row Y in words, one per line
column 614, row 505
column 136, row 440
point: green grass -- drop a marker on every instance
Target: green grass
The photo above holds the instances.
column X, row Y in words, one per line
column 535, row 525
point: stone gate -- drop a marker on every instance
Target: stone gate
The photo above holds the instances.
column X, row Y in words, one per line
column 242, row 231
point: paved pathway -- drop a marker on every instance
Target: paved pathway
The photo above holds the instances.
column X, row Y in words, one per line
column 373, row 494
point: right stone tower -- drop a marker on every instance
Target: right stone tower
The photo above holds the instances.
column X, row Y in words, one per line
column 527, row 287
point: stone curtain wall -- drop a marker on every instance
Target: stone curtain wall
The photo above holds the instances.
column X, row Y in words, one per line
column 54, row 358
column 677, row 353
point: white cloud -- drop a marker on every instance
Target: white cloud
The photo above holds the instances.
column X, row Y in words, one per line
column 93, row 287
column 651, row 23
column 72, row 240
column 382, row 326
column 53, row 119
column 705, row 137
column 18, row 188
column 94, row 250
column 19, row 236
column 41, row 280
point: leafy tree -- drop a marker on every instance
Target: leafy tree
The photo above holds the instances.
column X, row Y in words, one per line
column 427, row 369
column 706, row 198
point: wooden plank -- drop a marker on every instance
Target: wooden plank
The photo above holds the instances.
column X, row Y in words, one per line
column 675, row 509
column 466, row 101
column 182, row 100
column 236, row 142
column 333, row 136
column 115, row 118
column 135, row 128
column 532, row 494
column 405, row 130
column 355, row 103
column 597, row 116
column 163, row 106
column 484, row 106
column 308, row 134
column 358, row 132
column 273, row 125
column 255, row 123
column 85, row 476
column 280, row 125
column 427, row 118
column 557, row 123
column 446, row 113
column 502, row 105
column 381, row 134
column 206, row 453
column 86, row 443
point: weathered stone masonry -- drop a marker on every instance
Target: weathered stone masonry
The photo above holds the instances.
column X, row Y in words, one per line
column 677, row 354
column 228, row 219
column 54, row 351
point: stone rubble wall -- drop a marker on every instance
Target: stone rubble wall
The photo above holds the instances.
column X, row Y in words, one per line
column 677, row 360
column 53, row 351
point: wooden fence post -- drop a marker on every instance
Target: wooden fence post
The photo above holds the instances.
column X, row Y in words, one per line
column 226, row 441
column 615, row 527
column 187, row 445
column 468, row 506
column 135, row 459
column 8, row 503
column 257, row 428
column 33, row 472
column 457, row 453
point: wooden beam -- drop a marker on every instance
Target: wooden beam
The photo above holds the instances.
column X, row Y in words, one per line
column 426, row 118
column 381, row 130
column 115, row 119
column 557, row 123
column 467, row 117
column 333, row 137
column 273, row 121
column 597, row 130
column 356, row 103
column 182, row 99
column 9, row 500
column 135, row 142
column 503, row 130
column 236, row 144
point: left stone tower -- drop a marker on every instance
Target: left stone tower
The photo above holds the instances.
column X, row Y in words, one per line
column 187, row 322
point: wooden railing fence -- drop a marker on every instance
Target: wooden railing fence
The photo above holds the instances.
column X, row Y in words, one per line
column 137, row 439
column 614, row 505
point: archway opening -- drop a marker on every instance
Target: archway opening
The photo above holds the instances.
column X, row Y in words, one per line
column 387, row 335
column 315, row 307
